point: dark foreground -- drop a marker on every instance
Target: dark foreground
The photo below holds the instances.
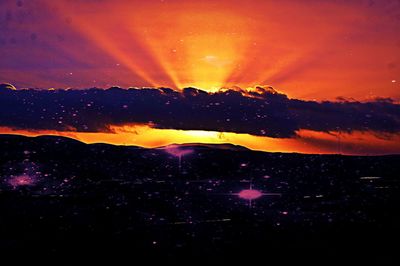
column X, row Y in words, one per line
column 66, row 203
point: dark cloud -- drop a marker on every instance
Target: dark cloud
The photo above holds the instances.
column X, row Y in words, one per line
column 261, row 112
column 380, row 115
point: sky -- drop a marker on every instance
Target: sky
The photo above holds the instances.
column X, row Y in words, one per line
column 310, row 51
column 307, row 49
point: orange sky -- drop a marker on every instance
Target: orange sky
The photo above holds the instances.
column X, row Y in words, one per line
column 306, row 49
column 307, row 141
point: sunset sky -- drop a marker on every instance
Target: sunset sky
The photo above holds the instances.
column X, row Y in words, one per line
column 307, row 50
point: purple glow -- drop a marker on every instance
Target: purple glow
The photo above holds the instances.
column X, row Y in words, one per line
column 250, row 194
column 21, row 180
column 177, row 151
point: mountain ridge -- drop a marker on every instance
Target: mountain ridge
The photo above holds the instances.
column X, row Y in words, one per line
column 193, row 145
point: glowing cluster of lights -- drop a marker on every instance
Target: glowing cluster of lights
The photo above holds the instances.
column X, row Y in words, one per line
column 21, row 180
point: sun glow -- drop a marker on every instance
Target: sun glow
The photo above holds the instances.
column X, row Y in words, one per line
column 315, row 51
column 208, row 45
column 307, row 141
column 182, row 45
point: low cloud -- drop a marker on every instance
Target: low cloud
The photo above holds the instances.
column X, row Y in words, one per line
column 262, row 111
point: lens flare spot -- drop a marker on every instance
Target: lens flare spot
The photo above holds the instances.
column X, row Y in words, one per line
column 250, row 194
column 21, row 180
column 177, row 151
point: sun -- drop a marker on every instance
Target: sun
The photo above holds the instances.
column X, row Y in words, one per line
column 199, row 46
